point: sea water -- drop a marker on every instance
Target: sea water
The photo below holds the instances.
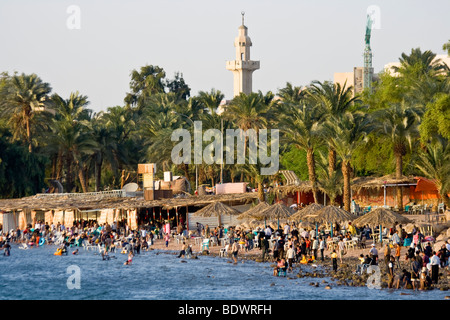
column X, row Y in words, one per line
column 37, row 274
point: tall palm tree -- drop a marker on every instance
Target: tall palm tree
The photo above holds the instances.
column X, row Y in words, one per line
column 399, row 125
column 291, row 94
column 73, row 136
column 106, row 148
column 252, row 111
column 334, row 100
column 345, row 136
column 434, row 163
column 299, row 129
column 24, row 96
column 329, row 182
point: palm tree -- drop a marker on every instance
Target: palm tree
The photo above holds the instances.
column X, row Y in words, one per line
column 328, row 182
column 399, row 126
column 291, row 94
column 149, row 80
column 24, row 95
column 434, row 163
column 418, row 64
column 106, row 148
column 252, row 111
column 345, row 136
column 299, row 129
column 333, row 99
column 73, row 136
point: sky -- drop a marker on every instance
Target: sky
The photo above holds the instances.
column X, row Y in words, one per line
column 94, row 48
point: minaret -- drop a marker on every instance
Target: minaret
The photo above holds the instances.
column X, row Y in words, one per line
column 242, row 67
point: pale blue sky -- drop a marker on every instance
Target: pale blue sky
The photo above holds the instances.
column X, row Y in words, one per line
column 296, row 41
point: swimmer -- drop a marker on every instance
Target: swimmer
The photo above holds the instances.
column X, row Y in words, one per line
column 130, row 259
column 75, row 252
column 7, row 248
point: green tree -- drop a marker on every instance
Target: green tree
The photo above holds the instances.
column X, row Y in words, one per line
column 299, row 130
column 346, row 135
column 23, row 97
column 399, row 126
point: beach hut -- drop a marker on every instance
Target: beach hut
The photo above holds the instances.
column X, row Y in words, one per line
column 380, row 217
column 277, row 211
column 216, row 209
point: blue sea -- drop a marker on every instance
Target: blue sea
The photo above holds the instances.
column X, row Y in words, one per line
column 37, row 274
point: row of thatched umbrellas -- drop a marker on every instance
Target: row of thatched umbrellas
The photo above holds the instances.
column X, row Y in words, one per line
column 313, row 213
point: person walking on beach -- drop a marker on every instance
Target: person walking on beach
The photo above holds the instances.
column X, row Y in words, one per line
column 341, row 246
column 398, row 249
column 374, row 254
column 387, row 256
column 334, row 258
column 415, row 272
column 322, row 248
column 264, row 248
column 315, row 247
column 290, row 255
column 435, row 263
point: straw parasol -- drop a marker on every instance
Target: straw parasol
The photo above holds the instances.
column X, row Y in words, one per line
column 331, row 214
column 380, row 216
column 277, row 211
column 252, row 212
column 216, row 209
column 310, row 209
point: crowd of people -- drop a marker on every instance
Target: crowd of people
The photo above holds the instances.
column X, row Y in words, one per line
column 107, row 237
column 286, row 246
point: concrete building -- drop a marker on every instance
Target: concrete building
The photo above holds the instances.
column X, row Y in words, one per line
column 354, row 79
column 242, row 67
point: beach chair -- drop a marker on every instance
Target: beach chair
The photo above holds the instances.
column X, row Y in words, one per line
column 205, row 245
column 223, row 252
column 282, row 272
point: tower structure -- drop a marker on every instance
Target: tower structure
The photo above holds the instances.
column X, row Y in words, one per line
column 242, row 67
column 368, row 69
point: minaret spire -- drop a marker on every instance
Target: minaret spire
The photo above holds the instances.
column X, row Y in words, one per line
column 242, row 67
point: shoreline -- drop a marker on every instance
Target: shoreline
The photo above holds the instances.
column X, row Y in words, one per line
column 344, row 276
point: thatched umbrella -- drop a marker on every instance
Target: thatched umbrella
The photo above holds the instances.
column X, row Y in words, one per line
column 216, row 209
column 310, row 209
column 277, row 211
column 331, row 214
column 253, row 211
column 379, row 217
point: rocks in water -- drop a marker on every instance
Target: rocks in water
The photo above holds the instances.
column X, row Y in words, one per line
column 183, row 261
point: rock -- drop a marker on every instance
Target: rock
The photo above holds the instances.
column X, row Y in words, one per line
column 272, row 284
column 183, row 261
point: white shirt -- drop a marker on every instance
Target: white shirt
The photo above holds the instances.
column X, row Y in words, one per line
column 434, row 260
column 290, row 253
column 448, row 246
column 268, row 232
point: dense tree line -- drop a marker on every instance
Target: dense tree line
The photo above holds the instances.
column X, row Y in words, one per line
column 328, row 134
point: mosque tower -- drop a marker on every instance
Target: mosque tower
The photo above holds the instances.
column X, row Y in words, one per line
column 242, row 67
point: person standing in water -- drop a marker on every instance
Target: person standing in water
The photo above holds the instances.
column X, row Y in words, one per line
column 235, row 250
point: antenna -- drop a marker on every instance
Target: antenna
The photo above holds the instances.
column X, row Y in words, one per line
column 242, row 13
